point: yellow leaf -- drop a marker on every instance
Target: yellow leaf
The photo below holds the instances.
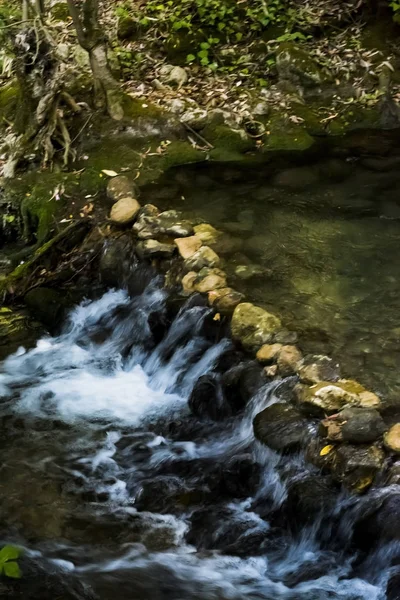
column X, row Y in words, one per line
column 326, row 449
column 109, row 173
column 217, row 317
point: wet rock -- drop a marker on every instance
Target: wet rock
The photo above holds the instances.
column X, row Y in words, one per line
column 165, row 494
column 284, row 336
column 271, row 371
column 354, row 425
column 117, row 260
column 393, row 587
column 297, row 67
column 122, row 187
column 153, row 249
column 124, row 211
column 207, row 400
column 188, row 246
column 188, row 282
column 328, row 398
column 281, row 427
column 168, row 223
column 204, row 257
column 317, row 368
column 246, row 272
column 289, row 358
column 268, row 353
column 297, row 178
column 356, row 466
column 392, row 438
column 47, row 306
column 225, row 299
column 379, row 521
column 253, row 326
column 17, row 330
column 207, row 233
column 209, row 280
column 309, row 497
column 240, row 476
column 241, row 382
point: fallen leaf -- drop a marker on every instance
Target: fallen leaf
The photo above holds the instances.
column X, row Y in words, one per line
column 326, row 449
column 217, row 317
column 109, row 173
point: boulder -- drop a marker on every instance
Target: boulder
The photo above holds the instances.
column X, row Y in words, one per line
column 281, row 427
column 154, row 249
column 47, row 306
column 209, row 280
column 188, row 246
column 207, row 233
column 297, row 67
column 225, row 300
column 357, row 466
column 268, row 353
column 204, row 257
column 253, row 326
column 240, row 476
column 177, row 77
column 241, row 382
column 118, row 257
column 289, row 358
column 328, row 398
column 317, row 368
column 354, row 425
column 392, row 438
column 122, row 187
column 17, row 330
column 124, row 211
column 196, row 118
column 308, row 497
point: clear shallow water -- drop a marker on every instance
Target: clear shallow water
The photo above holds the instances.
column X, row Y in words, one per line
column 325, row 239
column 105, row 472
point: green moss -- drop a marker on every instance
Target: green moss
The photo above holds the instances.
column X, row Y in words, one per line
column 223, row 138
column 134, row 108
column 175, row 154
column 297, row 66
column 9, row 95
column 283, row 135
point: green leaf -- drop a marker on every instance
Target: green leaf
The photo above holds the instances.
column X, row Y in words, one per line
column 190, row 58
column 9, row 553
column 11, row 569
column 204, row 45
column 203, row 54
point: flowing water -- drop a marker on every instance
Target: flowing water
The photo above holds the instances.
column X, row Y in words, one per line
column 106, row 473
column 322, row 241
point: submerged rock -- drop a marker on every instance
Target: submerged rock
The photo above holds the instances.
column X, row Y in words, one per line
column 124, row 211
column 289, row 358
column 281, row 427
column 354, row 425
column 317, row 368
column 268, row 353
column 253, row 326
column 225, row 299
column 327, row 397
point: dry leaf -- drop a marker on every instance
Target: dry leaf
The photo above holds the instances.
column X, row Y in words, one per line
column 109, row 173
column 217, row 317
column 326, row 449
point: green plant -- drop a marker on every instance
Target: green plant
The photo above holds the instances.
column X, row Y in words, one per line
column 8, row 562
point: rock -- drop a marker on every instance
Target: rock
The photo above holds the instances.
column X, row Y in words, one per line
column 354, row 425
column 261, row 109
column 196, row 118
column 284, row 336
column 268, row 353
column 127, row 28
column 297, row 67
column 253, row 326
column 281, row 427
column 356, row 466
column 17, row 330
column 240, row 476
column 393, row 587
column 378, row 523
column 206, row 399
column 392, row 438
column 225, row 299
column 81, row 57
column 117, row 259
column 47, row 306
column 177, row 77
column 209, row 280
column 241, row 382
column 328, row 398
column 207, row 233
column 271, row 371
column 289, row 358
column 154, row 249
column 188, row 282
column 246, row 272
column 317, row 368
column 297, row 178
column 204, row 257
column 121, row 187
column 309, row 497
column 124, row 211
column 188, row 246
column 167, row 223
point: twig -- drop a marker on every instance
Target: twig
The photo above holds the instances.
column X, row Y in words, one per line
column 82, row 128
column 200, row 137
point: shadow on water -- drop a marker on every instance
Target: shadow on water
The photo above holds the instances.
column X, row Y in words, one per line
column 316, row 244
column 107, row 474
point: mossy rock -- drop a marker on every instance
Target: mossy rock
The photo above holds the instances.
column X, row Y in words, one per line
column 16, row 330
column 284, row 136
column 296, row 66
column 9, row 96
column 47, row 306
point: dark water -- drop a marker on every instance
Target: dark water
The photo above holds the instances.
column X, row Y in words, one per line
column 324, row 240
column 106, row 473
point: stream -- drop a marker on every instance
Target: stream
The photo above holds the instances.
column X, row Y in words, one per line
column 107, row 474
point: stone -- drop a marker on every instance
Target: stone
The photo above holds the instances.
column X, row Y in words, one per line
column 289, row 359
column 353, row 425
column 204, row 257
column 207, row 233
column 127, row 28
column 168, row 223
column 124, row 211
column 268, row 353
column 196, row 118
column 253, row 326
column 284, row 336
column 188, row 282
column 209, row 280
column 188, row 246
column 177, row 77
column 154, row 249
column 47, row 306
column 225, row 299
column 280, row 427
column 17, row 330
column 392, row 438
column 357, row 466
column 317, row 368
column 206, row 399
column 328, row 398
column 117, row 258
column 271, row 371
column 121, row 187
column 241, row 382
column 246, row 272
column 297, row 67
